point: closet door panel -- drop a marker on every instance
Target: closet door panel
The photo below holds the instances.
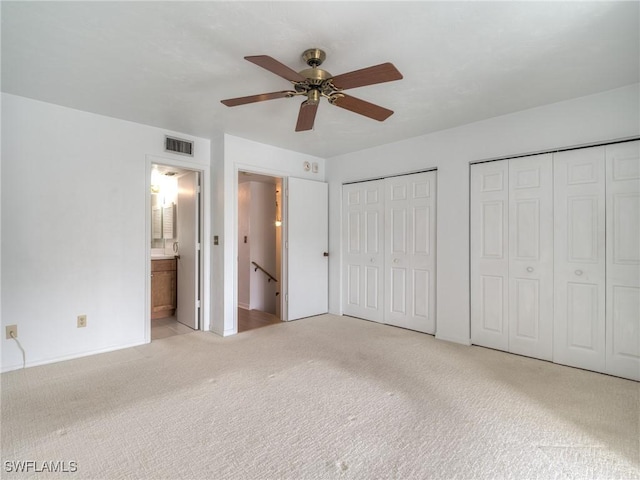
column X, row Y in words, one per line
column 363, row 255
column 623, row 260
column 489, row 211
column 530, row 256
column 410, row 259
column 579, row 258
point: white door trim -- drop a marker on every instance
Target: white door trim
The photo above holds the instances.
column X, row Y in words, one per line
column 205, row 219
column 240, row 167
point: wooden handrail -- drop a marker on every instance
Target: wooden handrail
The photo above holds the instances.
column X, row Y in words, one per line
column 258, row 267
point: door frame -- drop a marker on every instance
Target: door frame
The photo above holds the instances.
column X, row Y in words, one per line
column 239, row 167
column 205, row 233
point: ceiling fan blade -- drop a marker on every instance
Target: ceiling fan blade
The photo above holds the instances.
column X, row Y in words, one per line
column 307, row 116
column 233, row 102
column 361, row 107
column 384, row 72
column 276, row 67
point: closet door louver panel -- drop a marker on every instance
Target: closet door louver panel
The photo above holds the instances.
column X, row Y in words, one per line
column 623, row 260
column 579, row 265
column 490, row 254
column 531, row 256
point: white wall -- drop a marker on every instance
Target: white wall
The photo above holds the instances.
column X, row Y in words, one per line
column 263, row 246
column 73, row 228
column 597, row 118
column 242, row 154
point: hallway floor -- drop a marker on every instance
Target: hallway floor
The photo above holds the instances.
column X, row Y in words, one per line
column 247, row 320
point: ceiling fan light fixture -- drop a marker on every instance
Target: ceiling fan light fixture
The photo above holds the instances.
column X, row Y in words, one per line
column 313, row 97
column 315, row 83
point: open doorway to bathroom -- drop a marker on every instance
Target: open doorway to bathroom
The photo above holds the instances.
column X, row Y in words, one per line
column 260, row 242
column 176, row 262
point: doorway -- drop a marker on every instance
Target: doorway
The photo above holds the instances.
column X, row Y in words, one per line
column 260, row 244
column 176, row 259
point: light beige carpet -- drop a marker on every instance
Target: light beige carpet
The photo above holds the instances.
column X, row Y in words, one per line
column 321, row 398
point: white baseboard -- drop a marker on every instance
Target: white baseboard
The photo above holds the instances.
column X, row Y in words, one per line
column 47, row 361
column 244, row 306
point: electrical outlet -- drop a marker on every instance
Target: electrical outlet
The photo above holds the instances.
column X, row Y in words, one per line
column 12, row 331
column 82, row 321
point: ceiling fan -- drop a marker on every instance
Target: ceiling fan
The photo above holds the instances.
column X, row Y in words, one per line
column 314, row 83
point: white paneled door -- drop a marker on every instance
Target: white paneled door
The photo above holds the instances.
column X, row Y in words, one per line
column 512, row 255
column 363, row 251
column 410, row 251
column 308, row 240
column 531, row 256
column 579, row 265
column 569, row 246
column 489, row 228
column 623, row 260
column 388, row 254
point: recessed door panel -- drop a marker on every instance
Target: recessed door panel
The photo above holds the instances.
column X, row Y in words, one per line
column 492, row 231
column 372, row 287
column 353, row 232
column 492, row 301
column 526, row 308
column 398, row 230
column 579, row 258
column 527, row 231
column 582, row 227
column 623, row 259
column 353, row 282
column 582, row 316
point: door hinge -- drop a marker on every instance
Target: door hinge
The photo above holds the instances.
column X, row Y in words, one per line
column 198, row 246
column 286, row 297
column 197, row 303
column 198, row 189
column 286, row 244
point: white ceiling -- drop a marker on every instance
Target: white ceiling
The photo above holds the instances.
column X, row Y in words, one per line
column 169, row 64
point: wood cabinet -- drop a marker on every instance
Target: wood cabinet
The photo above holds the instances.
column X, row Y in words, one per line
column 163, row 288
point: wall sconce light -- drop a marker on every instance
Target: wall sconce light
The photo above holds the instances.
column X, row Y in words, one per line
column 278, row 221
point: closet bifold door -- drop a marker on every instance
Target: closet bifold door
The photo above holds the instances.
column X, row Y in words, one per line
column 489, row 231
column 363, row 249
column 410, row 219
column 531, row 256
column 579, row 263
column 623, row 260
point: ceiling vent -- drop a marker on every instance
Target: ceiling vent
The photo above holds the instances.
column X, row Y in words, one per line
column 178, row 145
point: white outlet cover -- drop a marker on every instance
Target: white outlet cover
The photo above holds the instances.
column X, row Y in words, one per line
column 314, row 167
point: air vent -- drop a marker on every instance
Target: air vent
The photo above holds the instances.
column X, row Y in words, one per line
column 178, row 145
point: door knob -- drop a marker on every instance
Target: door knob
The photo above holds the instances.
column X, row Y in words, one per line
column 395, row 260
column 578, row 272
column 529, row 269
column 325, row 254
